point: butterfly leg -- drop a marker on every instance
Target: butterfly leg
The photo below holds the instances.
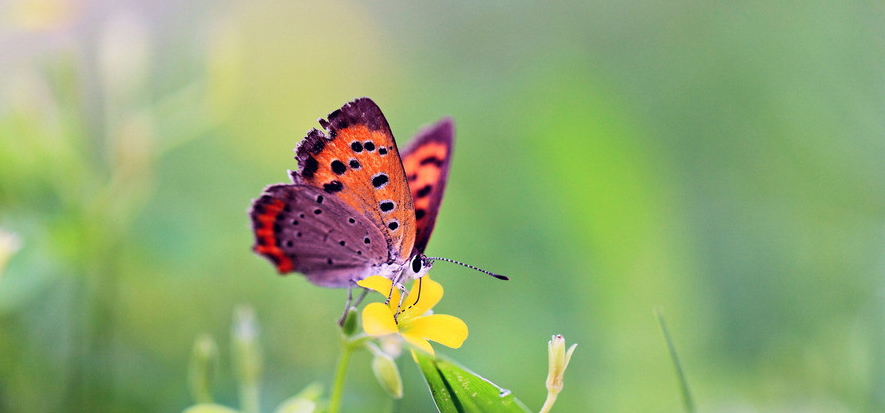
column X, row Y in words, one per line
column 350, row 303
column 402, row 297
column 395, row 282
column 362, row 296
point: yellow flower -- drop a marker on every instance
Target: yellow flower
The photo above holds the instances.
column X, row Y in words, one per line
column 412, row 322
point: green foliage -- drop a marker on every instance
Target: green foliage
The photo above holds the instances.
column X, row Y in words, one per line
column 458, row 390
column 209, row 408
column 248, row 361
column 722, row 160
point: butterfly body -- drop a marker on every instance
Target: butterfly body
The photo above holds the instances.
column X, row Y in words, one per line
column 355, row 207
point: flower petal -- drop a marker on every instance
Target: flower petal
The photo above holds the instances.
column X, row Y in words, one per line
column 376, row 283
column 378, row 320
column 445, row 329
column 382, row 285
column 424, row 295
column 418, row 342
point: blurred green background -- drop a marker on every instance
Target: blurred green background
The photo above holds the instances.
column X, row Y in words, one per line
column 719, row 161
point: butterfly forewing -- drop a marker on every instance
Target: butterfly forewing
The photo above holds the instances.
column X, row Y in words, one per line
column 426, row 161
column 356, row 160
column 302, row 228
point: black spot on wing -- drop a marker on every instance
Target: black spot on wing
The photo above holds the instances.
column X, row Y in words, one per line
column 338, row 167
column 379, row 180
column 310, row 167
column 311, row 146
column 431, row 160
column 332, row 187
column 424, row 191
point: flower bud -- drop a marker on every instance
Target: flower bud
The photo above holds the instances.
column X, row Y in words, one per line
column 350, row 322
column 9, row 244
column 388, row 376
column 247, row 354
column 558, row 359
column 247, row 357
column 204, row 361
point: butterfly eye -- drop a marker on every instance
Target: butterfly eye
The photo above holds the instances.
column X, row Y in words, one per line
column 416, row 264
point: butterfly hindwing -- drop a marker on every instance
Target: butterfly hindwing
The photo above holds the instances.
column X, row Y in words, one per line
column 426, row 161
column 357, row 161
column 304, row 229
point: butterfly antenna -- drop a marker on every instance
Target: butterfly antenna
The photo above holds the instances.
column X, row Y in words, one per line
column 498, row 276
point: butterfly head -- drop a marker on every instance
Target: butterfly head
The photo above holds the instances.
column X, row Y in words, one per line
column 418, row 266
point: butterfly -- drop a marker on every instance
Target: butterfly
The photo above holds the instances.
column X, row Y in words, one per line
column 356, row 207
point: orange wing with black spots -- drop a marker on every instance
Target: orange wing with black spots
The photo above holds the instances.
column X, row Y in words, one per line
column 356, row 160
column 426, row 161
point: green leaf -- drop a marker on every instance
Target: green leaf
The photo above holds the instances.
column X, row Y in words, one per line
column 297, row 405
column 458, row 390
column 303, row 402
column 209, row 408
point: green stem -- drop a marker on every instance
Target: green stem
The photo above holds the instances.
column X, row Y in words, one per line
column 394, row 405
column 338, row 383
column 249, row 400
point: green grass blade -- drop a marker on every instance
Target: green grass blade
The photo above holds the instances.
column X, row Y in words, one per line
column 680, row 373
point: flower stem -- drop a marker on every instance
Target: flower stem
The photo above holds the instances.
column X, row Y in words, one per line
column 249, row 397
column 338, row 384
column 394, row 405
column 548, row 403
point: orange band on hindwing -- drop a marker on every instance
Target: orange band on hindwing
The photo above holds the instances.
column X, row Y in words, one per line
column 264, row 218
column 426, row 161
column 425, row 166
